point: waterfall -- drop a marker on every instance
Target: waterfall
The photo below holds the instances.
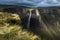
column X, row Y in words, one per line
column 29, row 18
column 39, row 16
column 40, row 20
column 28, row 24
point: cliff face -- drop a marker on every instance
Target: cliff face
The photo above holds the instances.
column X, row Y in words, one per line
column 46, row 25
column 51, row 18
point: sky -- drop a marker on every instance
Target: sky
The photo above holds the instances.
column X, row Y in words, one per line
column 31, row 3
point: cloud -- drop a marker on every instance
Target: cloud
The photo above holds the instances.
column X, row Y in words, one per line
column 31, row 3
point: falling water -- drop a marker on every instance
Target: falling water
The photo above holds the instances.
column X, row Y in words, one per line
column 28, row 25
column 42, row 24
column 39, row 17
column 29, row 18
column 37, row 14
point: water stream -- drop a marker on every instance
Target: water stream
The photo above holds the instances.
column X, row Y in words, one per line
column 37, row 15
column 29, row 18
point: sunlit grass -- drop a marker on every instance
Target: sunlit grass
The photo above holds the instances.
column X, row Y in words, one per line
column 13, row 31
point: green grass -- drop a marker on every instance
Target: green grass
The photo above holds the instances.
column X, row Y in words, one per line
column 11, row 30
